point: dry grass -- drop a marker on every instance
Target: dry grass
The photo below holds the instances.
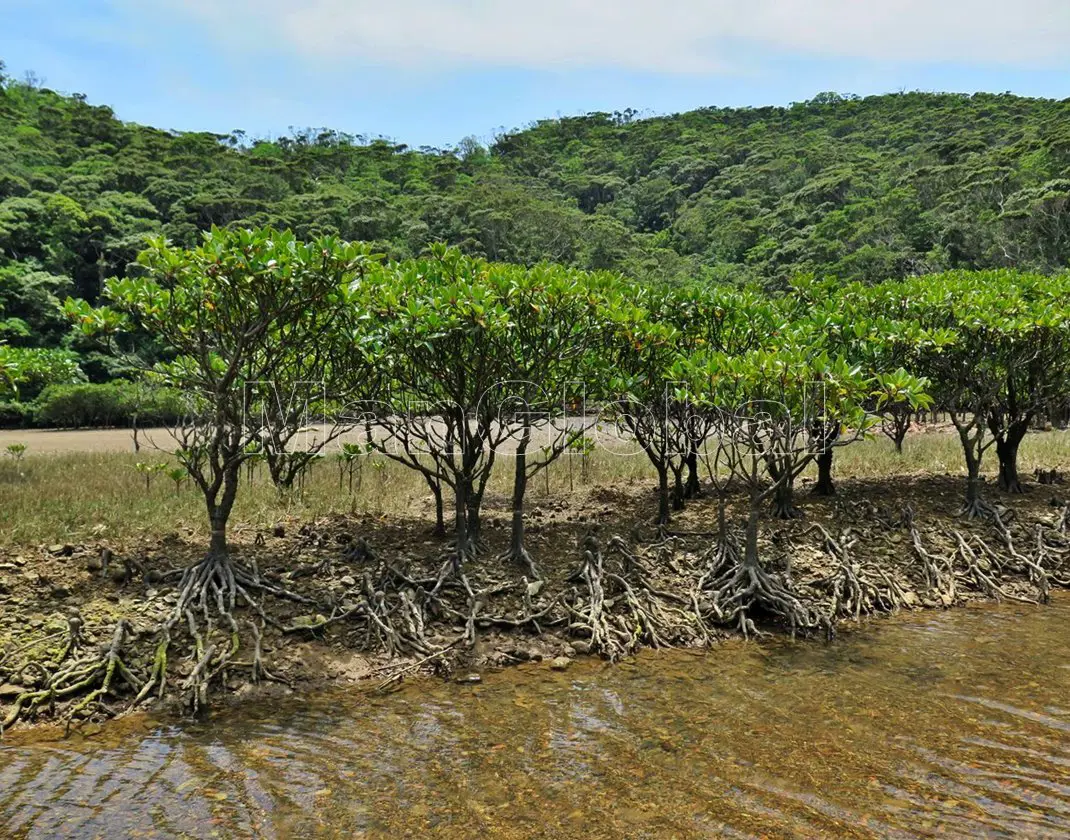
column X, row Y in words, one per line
column 74, row 497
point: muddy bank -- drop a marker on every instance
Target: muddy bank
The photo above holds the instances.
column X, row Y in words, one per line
column 373, row 604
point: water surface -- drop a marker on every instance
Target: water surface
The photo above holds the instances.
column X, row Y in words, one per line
column 937, row 724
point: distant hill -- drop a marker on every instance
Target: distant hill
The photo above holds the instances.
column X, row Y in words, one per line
column 884, row 186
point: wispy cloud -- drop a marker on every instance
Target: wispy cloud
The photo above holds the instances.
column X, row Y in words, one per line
column 673, row 36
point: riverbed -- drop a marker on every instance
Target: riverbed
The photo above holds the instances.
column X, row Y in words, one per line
column 938, row 723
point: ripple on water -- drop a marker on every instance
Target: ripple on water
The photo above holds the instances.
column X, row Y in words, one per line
column 938, row 722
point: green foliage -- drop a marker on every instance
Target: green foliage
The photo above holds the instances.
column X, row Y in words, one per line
column 862, row 189
column 15, row 415
column 25, row 372
column 246, row 316
column 108, row 404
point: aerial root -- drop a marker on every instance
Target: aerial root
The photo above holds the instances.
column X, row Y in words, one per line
column 746, row 588
column 976, row 564
column 592, row 617
column 260, row 672
column 1062, row 524
column 938, row 570
column 620, row 598
column 93, row 676
column 622, row 609
column 723, row 556
column 521, row 557
column 1032, row 566
column 395, row 673
column 978, row 508
column 856, row 589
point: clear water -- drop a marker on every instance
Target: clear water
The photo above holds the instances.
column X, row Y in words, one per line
column 935, row 724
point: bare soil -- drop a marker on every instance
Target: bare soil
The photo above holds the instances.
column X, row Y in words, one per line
column 875, row 548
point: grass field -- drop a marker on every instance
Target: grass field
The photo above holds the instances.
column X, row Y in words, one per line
column 75, row 496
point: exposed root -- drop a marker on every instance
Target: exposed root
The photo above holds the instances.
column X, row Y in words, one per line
column 621, row 610
column 722, row 557
column 746, row 588
column 591, row 617
column 978, row 508
column 87, row 678
column 679, row 591
column 396, row 674
column 534, row 615
column 158, row 673
column 1033, row 567
column 982, row 572
column 218, row 580
column 938, row 571
column 394, row 618
column 522, row 558
column 854, row 589
column 977, row 565
column 1058, row 555
column 74, row 635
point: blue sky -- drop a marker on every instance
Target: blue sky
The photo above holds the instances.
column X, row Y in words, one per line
column 434, row 71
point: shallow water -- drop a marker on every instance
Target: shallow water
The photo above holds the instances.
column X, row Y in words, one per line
column 937, row 724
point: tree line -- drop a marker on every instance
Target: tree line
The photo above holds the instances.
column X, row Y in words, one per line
column 884, row 187
column 455, row 366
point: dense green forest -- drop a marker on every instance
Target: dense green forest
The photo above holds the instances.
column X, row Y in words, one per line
column 858, row 188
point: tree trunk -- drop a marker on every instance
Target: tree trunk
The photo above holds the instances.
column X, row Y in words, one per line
column 663, row 494
column 693, row 487
column 1007, row 452
column 460, row 522
column 750, row 547
column 677, row 486
column 520, row 486
column 784, row 494
column 975, row 504
column 784, row 501
column 219, row 509
column 973, row 483
column 896, row 425
column 218, row 544
column 436, row 491
column 475, row 521
column 824, row 486
column 972, row 451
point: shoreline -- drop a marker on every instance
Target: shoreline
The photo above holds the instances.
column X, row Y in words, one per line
column 307, row 649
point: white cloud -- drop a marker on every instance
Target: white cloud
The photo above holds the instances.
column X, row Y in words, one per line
column 678, row 36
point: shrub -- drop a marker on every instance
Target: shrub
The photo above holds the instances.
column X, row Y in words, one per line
column 26, row 371
column 108, row 404
column 15, row 415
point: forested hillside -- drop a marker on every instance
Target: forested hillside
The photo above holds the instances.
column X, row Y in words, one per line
column 872, row 188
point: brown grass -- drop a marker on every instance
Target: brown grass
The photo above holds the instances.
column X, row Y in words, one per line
column 76, row 496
